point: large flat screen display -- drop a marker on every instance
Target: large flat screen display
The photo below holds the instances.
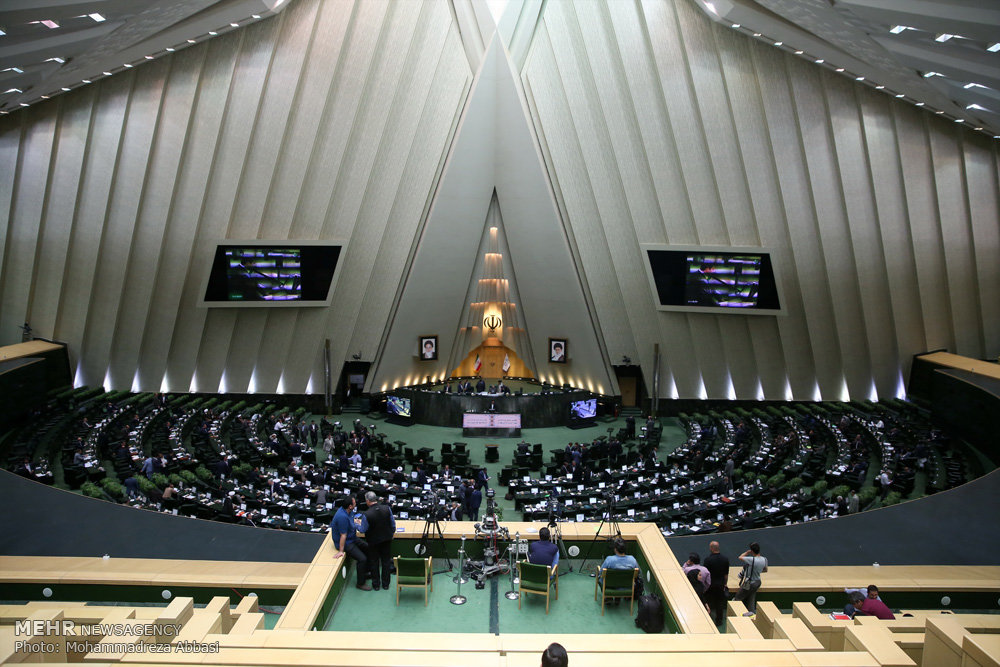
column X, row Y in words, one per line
column 713, row 279
column 583, row 409
column 271, row 274
column 397, row 405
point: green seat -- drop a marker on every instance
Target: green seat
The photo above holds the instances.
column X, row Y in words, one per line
column 413, row 573
column 616, row 584
column 538, row 580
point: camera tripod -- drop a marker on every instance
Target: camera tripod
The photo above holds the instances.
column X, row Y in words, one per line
column 615, row 531
column 432, row 531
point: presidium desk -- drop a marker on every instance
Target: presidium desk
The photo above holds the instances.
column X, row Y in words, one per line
column 541, row 410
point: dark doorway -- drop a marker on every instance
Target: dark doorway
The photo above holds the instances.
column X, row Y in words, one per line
column 352, row 383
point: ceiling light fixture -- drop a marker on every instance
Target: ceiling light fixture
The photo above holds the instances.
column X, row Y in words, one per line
column 943, row 37
column 994, row 47
column 756, row 34
column 778, row 43
column 52, row 25
column 13, row 90
column 2, row 33
column 55, row 60
column 13, row 69
column 85, row 80
column 235, row 25
column 819, row 61
column 977, row 107
column 900, row 96
column 149, row 57
column 170, row 49
column 840, row 69
column 735, row 25
column 879, row 87
column 859, row 78
column 212, row 33
column 928, row 75
column 255, row 16
column 107, row 73
column 973, row 85
column 896, row 29
column 97, row 17
column 191, row 41
column 920, row 104
column 127, row 66
column 799, row 53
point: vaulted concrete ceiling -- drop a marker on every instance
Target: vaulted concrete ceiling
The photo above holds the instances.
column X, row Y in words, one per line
column 942, row 55
column 51, row 46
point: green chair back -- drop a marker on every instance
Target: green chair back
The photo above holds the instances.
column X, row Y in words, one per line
column 619, row 582
column 411, row 570
column 534, row 577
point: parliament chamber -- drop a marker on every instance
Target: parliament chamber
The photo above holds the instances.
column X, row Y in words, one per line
column 580, row 299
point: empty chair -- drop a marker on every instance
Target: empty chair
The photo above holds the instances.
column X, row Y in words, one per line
column 413, row 573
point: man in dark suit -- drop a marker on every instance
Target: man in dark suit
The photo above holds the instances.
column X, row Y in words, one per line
column 544, row 551
column 480, row 386
column 381, row 530
column 474, row 502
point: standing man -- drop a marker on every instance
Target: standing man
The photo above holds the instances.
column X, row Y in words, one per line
column 344, row 537
column 885, row 482
column 853, row 503
column 717, row 566
column 381, row 530
column 475, row 500
column 755, row 565
column 630, row 427
column 730, row 466
column 482, row 479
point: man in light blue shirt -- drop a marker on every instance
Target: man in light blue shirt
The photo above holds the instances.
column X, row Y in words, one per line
column 619, row 560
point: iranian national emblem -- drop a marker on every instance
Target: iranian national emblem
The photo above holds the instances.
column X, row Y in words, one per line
column 491, row 322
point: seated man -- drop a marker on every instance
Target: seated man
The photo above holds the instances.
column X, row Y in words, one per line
column 544, row 551
column 343, row 533
column 868, row 606
column 619, row 560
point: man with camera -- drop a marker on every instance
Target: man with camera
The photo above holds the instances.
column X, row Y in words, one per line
column 754, row 566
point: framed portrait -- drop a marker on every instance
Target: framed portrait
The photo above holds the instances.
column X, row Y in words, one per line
column 428, row 348
column 557, row 350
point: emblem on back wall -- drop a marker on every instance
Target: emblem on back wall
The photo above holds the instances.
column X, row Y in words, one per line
column 491, row 322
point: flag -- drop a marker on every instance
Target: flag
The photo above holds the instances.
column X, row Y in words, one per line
column 506, row 363
column 478, row 365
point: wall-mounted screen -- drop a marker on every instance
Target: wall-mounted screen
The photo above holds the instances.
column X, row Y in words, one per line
column 397, row 405
column 259, row 273
column 713, row 279
column 583, row 409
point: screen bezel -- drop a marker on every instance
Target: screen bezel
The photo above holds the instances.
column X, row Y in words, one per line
column 714, row 310
column 314, row 303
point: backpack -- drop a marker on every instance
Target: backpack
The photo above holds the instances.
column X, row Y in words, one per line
column 650, row 616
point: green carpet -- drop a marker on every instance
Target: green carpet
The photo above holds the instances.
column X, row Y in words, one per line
column 575, row 611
